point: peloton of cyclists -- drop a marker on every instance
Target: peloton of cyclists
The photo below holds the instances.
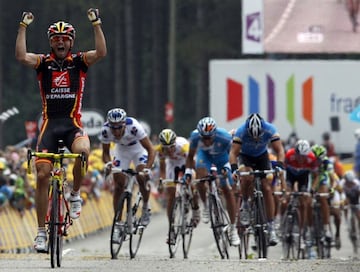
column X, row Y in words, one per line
column 172, row 152
column 250, row 148
column 211, row 144
column 132, row 145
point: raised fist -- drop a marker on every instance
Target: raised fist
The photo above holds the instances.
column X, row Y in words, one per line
column 93, row 15
column 27, row 18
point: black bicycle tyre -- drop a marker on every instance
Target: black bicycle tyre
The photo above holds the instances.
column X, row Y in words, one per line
column 352, row 233
column 187, row 227
column 286, row 235
column 318, row 233
column 53, row 225
column 118, row 222
column 175, row 225
column 296, row 235
column 261, row 229
column 244, row 241
column 61, row 228
column 218, row 224
column 137, row 228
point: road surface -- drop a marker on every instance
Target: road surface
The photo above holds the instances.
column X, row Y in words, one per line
column 92, row 254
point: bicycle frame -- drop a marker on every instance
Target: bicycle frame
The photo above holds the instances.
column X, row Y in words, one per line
column 354, row 227
column 57, row 223
column 323, row 247
column 180, row 221
column 130, row 227
column 218, row 216
column 259, row 218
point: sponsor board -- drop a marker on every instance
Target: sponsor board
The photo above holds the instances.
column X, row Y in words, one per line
column 306, row 97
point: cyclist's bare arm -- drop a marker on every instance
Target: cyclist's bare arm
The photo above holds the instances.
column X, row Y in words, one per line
column 278, row 148
column 190, row 163
column 146, row 143
column 106, row 153
column 234, row 152
column 100, row 50
column 21, row 54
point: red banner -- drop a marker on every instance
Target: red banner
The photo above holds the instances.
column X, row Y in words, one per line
column 31, row 127
column 169, row 112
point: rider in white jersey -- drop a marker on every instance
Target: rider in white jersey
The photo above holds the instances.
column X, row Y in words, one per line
column 132, row 145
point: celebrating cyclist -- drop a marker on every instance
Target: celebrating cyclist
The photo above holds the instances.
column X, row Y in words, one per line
column 211, row 145
column 132, row 145
column 250, row 148
column 61, row 75
column 172, row 152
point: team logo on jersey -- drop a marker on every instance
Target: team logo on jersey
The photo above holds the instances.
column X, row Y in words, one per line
column 134, row 131
column 60, row 79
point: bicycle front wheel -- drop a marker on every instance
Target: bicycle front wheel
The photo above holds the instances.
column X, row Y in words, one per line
column 134, row 219
column 119, row 226
column 53, row 227
column 244, row 235
column 219, row 224
column 175, row 226
column 187, row 227
column 260, row 228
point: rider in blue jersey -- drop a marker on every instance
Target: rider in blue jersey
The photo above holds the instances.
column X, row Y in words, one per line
column 211, row 146
column 250, row 145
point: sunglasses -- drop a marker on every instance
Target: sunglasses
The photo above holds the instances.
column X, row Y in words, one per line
column 168, row 146
column 60, row 37
column 116, row 127
column 206, row 138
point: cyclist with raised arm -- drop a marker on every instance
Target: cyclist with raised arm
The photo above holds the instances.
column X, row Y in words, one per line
column 210, row 144
column 172, row 152
column 300, row 163
column 326, row 182
column 61, row 75
column 132, row 145
column 250, row 148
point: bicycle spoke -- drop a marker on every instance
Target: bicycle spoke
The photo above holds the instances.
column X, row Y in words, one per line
column 53, row 227
column 219, row 225
column 118, row 229
column 137, row 229
column 187, row 230
column 175, row 227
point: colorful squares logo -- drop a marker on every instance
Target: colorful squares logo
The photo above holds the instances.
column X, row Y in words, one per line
column 235, row 99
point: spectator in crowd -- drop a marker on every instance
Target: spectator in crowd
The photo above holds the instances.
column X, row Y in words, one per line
column 329, row 145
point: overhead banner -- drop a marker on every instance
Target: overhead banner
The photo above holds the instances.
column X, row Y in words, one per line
column 252, row 27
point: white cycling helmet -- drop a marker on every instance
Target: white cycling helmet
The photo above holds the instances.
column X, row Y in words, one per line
column 207, row 127
column 349, row 176
column 116, row 115
column 302, row 147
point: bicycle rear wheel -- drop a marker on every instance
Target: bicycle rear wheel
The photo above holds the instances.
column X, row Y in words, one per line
column 187, row 228
column 53, row 227
column 134, row 217
column 219, row 224
column 119, row 226
column 175, row 226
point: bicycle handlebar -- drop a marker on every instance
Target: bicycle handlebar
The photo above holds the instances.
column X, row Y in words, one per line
column 55, row 156
column 256, row 172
